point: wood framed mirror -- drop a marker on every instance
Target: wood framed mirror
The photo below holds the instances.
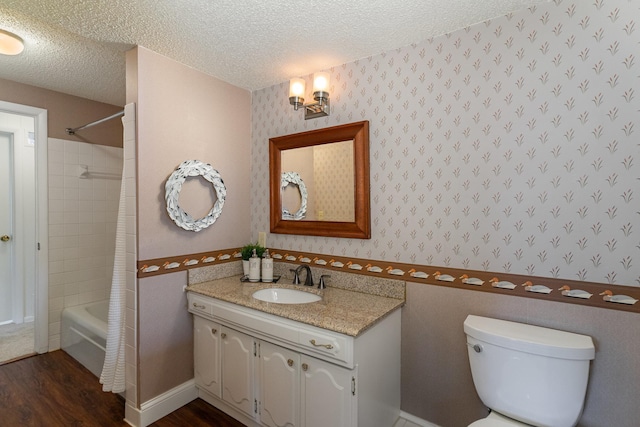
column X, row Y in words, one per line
column 334, row 165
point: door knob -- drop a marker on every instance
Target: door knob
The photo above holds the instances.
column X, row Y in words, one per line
column 5, row 238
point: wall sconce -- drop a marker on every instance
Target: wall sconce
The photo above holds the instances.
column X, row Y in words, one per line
column 10, row 44
column 320, row 108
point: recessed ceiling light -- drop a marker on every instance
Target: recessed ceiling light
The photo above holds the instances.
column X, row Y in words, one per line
column 10, row 44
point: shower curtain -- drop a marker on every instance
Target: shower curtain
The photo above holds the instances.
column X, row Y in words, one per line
column 112, row 377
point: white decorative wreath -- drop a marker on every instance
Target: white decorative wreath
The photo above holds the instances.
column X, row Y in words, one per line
column 294, row 178
column 172, row 193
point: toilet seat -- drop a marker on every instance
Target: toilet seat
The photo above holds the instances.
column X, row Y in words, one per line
column 497, row 420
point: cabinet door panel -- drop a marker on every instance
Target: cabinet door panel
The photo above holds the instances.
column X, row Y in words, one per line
column 279, row 386
column 326, row 394
column 237, row 370
column 206, row 341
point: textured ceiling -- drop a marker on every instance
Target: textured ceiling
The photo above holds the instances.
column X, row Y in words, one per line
column 77, row 46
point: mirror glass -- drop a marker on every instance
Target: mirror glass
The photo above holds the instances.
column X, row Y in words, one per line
column 327, row 174
column 319, row 182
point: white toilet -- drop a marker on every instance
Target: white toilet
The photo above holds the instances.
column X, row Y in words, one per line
column 527, row 375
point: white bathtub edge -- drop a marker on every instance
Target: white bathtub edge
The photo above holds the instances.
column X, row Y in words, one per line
column 79, row 315
column 162, row 405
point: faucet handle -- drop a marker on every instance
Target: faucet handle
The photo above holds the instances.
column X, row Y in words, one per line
column 321, row 284
column 296, row 277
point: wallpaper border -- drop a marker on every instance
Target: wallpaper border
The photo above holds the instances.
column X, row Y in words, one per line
column 540, row 288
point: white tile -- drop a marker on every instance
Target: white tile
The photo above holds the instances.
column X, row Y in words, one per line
column 70, row 253
column 71, row 157
column 71, row 181
column 56, row 291
column 56, row 217
column 71, row 146
column 71, row 230
column 71, row 193
column 70, row 289
column 55, row 254
column 70, row 266
column 54, row 342
column 99, row 159
column 55, row 168
column 54, row 144
column 85, row 218
column 55, row 157
column 56, row 230
column 56, row 181
column 85, row 148
column 56, row 242
column 85, row 194
column 71, row 217
column 56, row 304
column 56, row 267
column 71, row 300
column 85, row 228
column 85, row 159
column 84, row 204
column 56, row 194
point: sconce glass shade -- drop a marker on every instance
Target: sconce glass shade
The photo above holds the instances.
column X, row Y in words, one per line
column 10, row 44
column 321, row 85
column 296, row 92
column 319, row 108
column 296, row 87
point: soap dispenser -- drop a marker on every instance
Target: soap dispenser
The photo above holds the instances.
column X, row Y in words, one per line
column 267, row 267
column 254, row 267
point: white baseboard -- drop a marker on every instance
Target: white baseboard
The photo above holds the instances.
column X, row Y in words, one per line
column 160, row 406
column 415, row 420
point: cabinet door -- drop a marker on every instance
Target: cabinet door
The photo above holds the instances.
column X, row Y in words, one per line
column 206, row 349
column 238, row 352
column 279, row 386
column 327, row 397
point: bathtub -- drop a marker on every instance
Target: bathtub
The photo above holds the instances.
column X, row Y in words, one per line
column 84, row 334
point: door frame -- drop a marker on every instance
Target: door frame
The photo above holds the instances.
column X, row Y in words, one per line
column 41, row 309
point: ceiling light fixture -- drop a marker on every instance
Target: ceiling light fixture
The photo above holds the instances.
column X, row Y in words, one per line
column 10, row 44
column 320, row 108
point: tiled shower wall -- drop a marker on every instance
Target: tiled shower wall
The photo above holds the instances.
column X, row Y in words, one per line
column 82, row 225
column 508, row 146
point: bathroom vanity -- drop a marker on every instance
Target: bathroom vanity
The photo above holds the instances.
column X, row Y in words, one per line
column 335, row 362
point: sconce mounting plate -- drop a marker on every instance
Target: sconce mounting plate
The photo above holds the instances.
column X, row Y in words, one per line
column 316, row 109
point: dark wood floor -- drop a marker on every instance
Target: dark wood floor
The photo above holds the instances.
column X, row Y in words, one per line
column 54, row 390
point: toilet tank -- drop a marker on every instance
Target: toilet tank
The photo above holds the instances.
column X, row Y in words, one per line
column 532, row 374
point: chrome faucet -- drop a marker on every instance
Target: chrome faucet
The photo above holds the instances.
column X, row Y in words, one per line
column 308, row 281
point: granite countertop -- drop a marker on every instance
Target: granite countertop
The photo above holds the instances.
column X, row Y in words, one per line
column 347, row 312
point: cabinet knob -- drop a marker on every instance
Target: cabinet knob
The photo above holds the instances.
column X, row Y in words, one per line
column 5, row 238
column 305, row 367
column 214, row 331
column 290, row 362
column 223, row 335
column 200, row 306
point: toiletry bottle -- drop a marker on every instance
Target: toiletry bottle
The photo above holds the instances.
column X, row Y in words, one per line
column 254, row 268
column 267, row 267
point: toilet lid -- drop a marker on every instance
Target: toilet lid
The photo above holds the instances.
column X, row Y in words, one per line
column 497, row 420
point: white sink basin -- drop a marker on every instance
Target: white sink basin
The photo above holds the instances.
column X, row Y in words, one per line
column 285, row 296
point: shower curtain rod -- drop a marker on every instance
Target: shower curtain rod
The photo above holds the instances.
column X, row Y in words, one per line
column 72, row 131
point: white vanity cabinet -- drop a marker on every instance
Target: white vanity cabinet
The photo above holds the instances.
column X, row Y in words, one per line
column 238, row 379
column 327, row 394
column 278, row 372
column 279, row 385
column 206, row 350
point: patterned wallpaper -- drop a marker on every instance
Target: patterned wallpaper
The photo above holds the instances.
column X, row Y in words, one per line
column 334, row 179
column 508, row 146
